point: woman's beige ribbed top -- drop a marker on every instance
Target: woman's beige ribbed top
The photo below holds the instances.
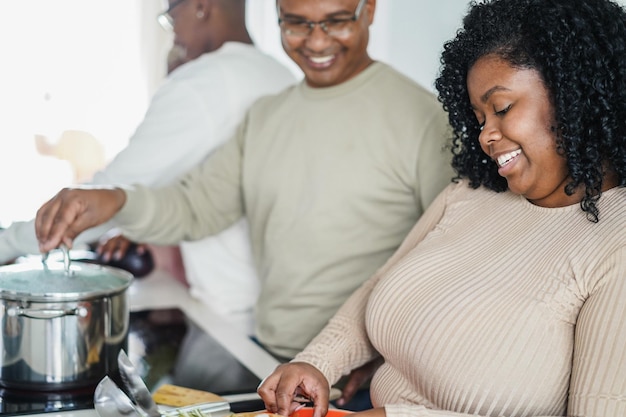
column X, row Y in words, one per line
column 493, row 307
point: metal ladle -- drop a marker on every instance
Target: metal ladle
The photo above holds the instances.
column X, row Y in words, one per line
column 110, row 401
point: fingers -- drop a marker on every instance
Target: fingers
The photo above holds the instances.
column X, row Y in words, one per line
column 52, row 223
column 316, row 388
column 43, row 223
column 277, row 392
column 357, row 379
column 346, row 394
column 72, row 211
column 320, row 410
column 267, row 391
column 141, row 248
column 280, row 389
column 114, row 248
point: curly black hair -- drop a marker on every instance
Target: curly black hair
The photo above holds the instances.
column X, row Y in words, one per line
column 579, row 50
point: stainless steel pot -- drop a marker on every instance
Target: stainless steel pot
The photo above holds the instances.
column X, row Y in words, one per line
column 62, row 325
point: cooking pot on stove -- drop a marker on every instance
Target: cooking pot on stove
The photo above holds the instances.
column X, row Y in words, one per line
column 62, row 325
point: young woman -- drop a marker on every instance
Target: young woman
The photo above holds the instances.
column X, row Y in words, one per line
column 508, row 298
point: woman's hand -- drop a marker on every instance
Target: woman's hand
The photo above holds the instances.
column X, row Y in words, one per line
column 72, row 211
column 280, row 388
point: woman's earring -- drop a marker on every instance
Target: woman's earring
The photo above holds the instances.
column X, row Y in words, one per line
column 199, row 14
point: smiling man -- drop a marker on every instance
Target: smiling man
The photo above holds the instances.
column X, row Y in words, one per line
column 331, row 174
column 328, row 39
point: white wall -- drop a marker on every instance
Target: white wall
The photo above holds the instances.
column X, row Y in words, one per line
column 409, row 34
column 67, row 64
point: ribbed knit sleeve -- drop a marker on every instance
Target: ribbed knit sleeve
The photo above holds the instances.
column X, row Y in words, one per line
column 598, row 384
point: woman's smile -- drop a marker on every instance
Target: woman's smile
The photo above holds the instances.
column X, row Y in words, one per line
column 517, row 117
column 506, row 158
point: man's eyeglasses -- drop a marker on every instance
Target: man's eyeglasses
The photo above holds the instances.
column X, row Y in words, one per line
column 165, row 19
column 335, row 26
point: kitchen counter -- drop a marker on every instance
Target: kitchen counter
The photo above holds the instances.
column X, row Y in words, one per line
column 160, row 290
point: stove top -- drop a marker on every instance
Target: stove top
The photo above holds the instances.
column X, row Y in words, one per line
column 165, row 347
column 14, row 402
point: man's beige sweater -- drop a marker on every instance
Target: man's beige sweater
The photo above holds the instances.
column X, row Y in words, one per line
column 331, row 181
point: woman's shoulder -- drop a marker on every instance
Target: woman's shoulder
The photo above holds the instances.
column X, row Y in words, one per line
column 612, row 208
column 614, row 201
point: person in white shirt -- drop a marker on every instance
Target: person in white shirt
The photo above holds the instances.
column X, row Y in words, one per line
column 194, row 110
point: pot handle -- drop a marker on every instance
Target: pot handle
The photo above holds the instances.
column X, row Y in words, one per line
column 47, row 313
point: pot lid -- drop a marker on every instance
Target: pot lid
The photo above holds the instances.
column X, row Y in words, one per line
column 58, row 281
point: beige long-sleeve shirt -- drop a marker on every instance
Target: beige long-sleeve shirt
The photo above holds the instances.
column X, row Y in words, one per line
column 331, row 180
column 493, row 306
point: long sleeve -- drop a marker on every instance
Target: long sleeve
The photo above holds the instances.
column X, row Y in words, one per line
column 598, row 385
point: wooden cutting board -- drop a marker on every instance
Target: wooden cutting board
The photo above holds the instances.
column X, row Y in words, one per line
column 175, row 396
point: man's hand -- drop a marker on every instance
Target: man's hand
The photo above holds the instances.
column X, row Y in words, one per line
column 72, row 211
column 280, row 388
column 116, row 247
column 357, row 378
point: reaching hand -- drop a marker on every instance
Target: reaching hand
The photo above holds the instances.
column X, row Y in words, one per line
column 117, row 247
column 280, row 388
column 72, row 211
column 358, row 377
